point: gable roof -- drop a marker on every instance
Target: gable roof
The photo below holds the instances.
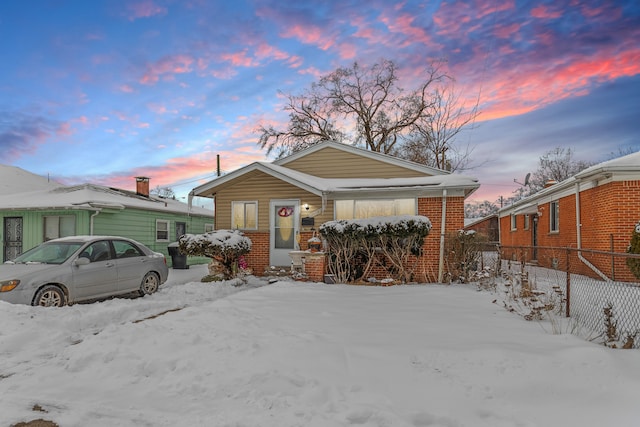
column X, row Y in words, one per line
column 396, row 161
column 15, row 180
column 344, row 187
column 619, row 169
column 95, row 197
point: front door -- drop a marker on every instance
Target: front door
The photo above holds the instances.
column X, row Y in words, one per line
column 283, row 218
column 12, row 238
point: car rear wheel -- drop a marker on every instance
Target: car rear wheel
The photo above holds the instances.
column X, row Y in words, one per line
column 50, row 296
column 149, row 284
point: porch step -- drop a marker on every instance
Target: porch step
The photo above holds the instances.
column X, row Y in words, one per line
column 278, row 271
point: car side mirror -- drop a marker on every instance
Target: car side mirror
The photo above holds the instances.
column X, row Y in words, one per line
column 82, row 261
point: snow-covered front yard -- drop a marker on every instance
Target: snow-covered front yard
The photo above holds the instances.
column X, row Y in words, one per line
column 305, row 354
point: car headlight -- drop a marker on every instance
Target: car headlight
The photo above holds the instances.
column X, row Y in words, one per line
column 8, row 285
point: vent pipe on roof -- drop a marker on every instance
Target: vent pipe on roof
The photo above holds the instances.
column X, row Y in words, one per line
column 142, row 186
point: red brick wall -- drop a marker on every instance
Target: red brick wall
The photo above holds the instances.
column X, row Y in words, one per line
column 487, row 228
column 258, row 258
column 315, row 267
column 608, row 214
column 431, row 207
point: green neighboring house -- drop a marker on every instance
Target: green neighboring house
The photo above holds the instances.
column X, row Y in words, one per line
column 29, row 218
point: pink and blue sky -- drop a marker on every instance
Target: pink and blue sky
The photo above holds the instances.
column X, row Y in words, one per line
column 102, row 91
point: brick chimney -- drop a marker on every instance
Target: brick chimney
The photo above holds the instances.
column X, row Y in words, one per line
column 142, row 186
column 550, row 182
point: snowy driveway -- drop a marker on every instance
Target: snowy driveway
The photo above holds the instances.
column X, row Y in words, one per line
column 305, row 354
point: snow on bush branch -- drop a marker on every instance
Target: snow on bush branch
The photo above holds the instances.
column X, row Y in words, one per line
column 357, row 246
column 224, row 246
column 400, row 224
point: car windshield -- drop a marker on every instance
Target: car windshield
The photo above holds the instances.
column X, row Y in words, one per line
column 49, row 253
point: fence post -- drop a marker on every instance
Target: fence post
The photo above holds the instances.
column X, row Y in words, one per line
column 568, row 303
column 613, row 259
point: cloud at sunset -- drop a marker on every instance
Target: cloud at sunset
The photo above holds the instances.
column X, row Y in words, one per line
column 144, row 9
column 172, row 84
column 167, row 66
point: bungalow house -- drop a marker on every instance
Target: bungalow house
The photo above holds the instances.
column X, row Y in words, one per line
column 596, row 209
column 29, row 218
column 280, row 205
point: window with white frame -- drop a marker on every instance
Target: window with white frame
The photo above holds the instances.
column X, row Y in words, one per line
column 208, row 228
column 162, row 230
column 59, row 226
column 527, row 221
column 360, row 209
column 554, row 216
column 513, row 222
column 244, row 215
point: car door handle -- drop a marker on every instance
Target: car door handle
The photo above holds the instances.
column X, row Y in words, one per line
column 109, row 264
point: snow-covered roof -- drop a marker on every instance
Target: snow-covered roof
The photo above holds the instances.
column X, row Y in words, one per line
column 629, row 163
column 94, row 197
column 14, row 180
column 336, row 187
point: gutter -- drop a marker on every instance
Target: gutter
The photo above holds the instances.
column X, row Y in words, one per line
column 442, row 231
column 95, row 214
column 579, row 237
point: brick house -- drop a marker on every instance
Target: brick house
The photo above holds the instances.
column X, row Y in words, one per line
column 279, row 205
column 596, row 209
column 486, row 226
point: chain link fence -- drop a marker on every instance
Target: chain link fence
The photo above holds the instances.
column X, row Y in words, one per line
column 596, row 289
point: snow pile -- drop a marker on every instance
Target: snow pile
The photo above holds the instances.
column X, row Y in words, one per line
column 305, row 354
column 216, row 241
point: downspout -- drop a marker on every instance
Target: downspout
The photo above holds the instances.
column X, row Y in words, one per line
column 579, row 238
column 442, row 231
column 95, row 214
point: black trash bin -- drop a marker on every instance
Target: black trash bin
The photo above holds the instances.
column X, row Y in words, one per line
column 178, row 259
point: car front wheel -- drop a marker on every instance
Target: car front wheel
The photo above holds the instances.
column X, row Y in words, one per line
column 149, row 284
column 50, row 296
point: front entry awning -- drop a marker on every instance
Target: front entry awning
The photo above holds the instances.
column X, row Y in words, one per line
column 528, row 209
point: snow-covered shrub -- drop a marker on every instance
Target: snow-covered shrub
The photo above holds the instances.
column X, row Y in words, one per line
column 464, row 251
column 356, row 246
column 225, row 247
column 634, row 248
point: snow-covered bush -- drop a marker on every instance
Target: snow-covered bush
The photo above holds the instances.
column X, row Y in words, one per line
column 634, row 248
column 225, row 247
column 464, row 251
column 356, row 246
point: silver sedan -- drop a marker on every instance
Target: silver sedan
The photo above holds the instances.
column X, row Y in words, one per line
column 80, row 268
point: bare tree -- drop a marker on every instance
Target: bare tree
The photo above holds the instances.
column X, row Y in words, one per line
column 310, row 122
column 479, row 209
column 431, row 141
column 359, row 105
column 557, row 164
column 164, row 192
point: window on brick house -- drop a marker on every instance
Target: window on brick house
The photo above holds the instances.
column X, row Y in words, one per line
column 554, row 217
column 244, row 215
column 527, row 221
column 513, row 222
column 360, row 209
